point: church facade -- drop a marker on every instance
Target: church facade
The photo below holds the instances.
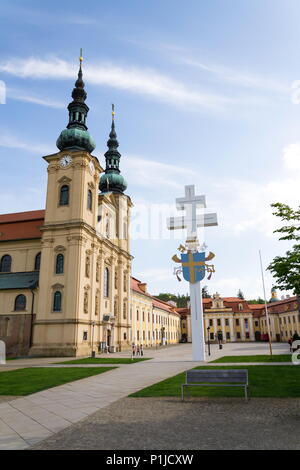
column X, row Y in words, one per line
column 65, row 272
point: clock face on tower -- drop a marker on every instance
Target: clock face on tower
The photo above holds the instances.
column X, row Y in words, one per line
column 65, row 161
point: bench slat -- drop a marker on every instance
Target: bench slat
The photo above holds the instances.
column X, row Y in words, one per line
column 214, row 376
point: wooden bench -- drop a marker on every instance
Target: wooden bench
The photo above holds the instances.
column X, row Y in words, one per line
column 216, row 378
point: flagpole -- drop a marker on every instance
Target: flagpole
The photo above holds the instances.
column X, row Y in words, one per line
column 266, row 308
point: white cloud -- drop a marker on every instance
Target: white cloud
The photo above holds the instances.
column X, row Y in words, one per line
column 145, row 81
column 291, row 156
column 144, row 172
column 240, row 78
column 24, row 96
column 10, row 141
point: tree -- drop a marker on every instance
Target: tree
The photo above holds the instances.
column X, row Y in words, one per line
column 256, row 301
column 205, row 293
column 286, row 269
column 240, row 295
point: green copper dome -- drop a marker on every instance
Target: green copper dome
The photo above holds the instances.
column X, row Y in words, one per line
column 77, row 139
column 112, row 180
column 76, row 135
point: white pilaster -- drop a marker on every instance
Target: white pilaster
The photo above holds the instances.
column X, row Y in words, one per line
column 198, row 345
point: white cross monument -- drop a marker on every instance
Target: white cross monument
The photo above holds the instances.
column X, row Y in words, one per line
column 191, row 221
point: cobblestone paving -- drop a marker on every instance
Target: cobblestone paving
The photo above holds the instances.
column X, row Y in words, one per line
column 166, row 423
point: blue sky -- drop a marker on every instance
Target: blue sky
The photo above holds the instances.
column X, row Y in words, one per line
column 206, row 93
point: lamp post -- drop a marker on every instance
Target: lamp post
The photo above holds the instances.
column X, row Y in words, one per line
column 93, row 323
column 208, row 342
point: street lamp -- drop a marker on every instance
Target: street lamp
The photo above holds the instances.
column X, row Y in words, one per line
column 208, row 342
column 93, row 323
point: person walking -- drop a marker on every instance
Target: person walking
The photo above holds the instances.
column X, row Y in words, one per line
column 132, row 350
column 142, row 350
column 138, row 350
column 290, row 341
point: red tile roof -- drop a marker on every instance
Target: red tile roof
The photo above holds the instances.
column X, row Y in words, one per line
column 135, row 285
column 21, row 225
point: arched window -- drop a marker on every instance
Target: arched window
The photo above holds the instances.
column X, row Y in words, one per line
column 20, row 303
column 125, row 283
column 106, row 282
column 90, row 200
column 64, row 195
column 5, row 265
column 37, row 262
column 57, row 301
column 124, row 311
column 59, row 267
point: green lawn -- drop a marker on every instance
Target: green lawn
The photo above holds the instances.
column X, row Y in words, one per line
column 35, row 379
column 105, row 360
column 261, row 358
column 265, row 381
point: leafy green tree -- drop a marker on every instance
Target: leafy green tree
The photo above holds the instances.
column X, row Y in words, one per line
column 256, row 301
column 286, row 269
column 240, row 295
column 205, row 293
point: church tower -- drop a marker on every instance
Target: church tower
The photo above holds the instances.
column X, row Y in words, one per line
column 84, row 283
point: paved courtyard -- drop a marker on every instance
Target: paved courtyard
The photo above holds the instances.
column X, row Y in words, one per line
column 167, row 424
column 26, row 421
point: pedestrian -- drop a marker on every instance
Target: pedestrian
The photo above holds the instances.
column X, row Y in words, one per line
column 138, row 350
column 133, row 350
column 142, row 350
column 290, row 341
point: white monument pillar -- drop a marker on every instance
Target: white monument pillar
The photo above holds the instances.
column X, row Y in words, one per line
column 193, row 264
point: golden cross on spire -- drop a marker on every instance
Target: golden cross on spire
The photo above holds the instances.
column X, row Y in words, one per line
column 80, row 57
column 113, row 111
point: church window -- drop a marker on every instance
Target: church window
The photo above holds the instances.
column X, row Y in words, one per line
column 219, row 322
column 226, row 322
column 90, row 200
column 124, row 310
column 125, row 283
column 106, row 282
column 57, row 301
column 64, row 195
column 137, row 315
column 85, row 336
column 125, row 336
column 116, row 280
column 5, row 265
column 20, row 303
column 237, row 322
column 37, row 262
column 59, row 268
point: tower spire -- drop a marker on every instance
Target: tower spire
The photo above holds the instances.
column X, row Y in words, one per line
column 78, row 111
column 112, row 180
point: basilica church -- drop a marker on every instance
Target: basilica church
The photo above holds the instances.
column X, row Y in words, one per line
column 65, row 272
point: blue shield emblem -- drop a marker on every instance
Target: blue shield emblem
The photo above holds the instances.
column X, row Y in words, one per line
column 193, row 266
